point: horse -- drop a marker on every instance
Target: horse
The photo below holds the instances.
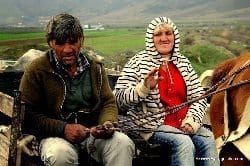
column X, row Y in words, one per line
column 230, row 110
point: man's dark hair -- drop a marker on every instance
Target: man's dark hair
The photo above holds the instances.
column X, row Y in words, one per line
column 63, row 27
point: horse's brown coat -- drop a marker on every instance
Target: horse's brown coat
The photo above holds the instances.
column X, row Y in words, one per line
column 237, row 97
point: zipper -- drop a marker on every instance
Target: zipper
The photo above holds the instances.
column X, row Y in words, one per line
column 64, row 89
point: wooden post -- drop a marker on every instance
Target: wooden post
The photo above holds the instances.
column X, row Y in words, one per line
column 15, row 128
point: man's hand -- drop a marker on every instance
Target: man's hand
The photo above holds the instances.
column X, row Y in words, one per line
column 28, row 145
column 103, row 131
column 76, row 133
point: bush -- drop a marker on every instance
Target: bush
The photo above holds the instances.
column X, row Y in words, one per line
column 188, row 40
column 205, row 57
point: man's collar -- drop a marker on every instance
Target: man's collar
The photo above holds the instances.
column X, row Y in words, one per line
column 82, row 63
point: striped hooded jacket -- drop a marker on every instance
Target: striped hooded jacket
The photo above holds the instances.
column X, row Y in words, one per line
column 135, row 99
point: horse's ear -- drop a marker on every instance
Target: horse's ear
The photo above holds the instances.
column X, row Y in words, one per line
column 222, row 70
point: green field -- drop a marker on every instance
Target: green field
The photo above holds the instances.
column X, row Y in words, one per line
column 204, row 48
column 111, row 42
column 11, row 36
column 106, row 43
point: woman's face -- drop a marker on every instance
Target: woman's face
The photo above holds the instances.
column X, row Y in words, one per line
column 164, row 39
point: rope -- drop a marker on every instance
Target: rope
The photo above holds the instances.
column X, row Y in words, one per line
column 175, row 108
column 169, row 110
column 245, row 66
column 101, row 127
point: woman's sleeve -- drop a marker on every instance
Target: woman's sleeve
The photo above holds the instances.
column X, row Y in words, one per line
column 129, row 89
column 197, row 109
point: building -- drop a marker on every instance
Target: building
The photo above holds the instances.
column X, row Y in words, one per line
column 98, row 26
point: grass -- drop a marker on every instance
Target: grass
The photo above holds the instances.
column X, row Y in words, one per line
column 106, row 43
column 116, row 43
column 110, row 43
column 11, row 36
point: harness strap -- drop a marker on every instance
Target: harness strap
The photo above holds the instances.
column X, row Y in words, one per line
column 240, row 136
column 222, row 140
column 226, row 115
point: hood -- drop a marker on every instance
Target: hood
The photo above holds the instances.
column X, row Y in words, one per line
column 150, row 48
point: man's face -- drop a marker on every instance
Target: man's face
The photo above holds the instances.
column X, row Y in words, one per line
column 164, row 41
column 67, row 52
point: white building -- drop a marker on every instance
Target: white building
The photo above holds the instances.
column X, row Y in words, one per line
column 98, row 26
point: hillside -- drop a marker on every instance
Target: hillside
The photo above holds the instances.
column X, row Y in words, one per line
column 125, row 12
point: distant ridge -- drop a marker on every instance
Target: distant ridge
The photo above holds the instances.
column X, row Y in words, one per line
column 125, row 12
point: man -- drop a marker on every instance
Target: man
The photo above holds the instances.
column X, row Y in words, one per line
column 69, row 102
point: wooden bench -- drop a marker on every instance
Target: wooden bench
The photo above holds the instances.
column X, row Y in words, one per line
column 11, row 114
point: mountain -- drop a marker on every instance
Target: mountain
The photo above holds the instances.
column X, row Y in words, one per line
column 125, row 12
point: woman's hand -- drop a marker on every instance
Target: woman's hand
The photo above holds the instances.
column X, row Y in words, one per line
column 150, row 80
column 187, row 128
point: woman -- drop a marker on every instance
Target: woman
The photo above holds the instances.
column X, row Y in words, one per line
column 160, row 77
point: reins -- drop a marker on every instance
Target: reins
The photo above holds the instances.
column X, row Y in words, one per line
column 169, row 110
